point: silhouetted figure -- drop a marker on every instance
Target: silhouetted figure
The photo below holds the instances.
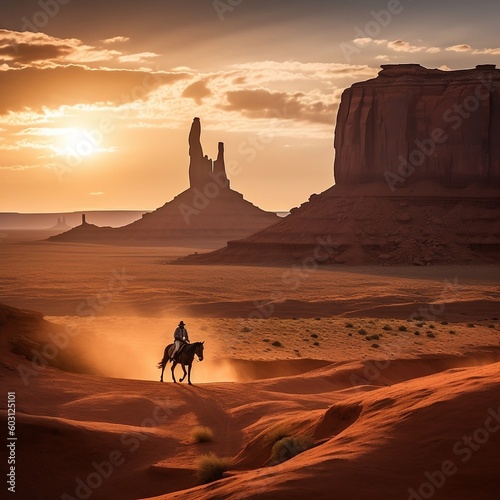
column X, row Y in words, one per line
column 180, row 339
column 185, row 358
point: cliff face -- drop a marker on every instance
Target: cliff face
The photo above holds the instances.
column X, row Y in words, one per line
column 417, row 172
column 411, row 124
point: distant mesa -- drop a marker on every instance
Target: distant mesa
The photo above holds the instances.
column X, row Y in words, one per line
column 414, row 124
column 417, row 171
column 61, row 224
column 207, row 215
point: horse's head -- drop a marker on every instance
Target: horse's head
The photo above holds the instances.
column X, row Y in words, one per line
column 199, row 350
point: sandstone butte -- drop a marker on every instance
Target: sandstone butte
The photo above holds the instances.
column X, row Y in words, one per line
column 207, row 214
column 417, row 172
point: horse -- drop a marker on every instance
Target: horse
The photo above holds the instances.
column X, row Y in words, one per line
column 184, row 358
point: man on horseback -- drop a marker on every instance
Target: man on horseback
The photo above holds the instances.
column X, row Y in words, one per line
column 180, row 339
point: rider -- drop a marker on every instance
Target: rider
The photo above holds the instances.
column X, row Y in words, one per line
column 180, row 338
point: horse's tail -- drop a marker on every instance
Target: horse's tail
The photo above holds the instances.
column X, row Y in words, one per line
column 163, row 362
column 166, row 357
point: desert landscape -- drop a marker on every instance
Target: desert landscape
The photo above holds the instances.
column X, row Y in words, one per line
column 344, row 323
column 383, row 369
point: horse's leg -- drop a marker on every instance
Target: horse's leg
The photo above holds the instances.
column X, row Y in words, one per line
column 189, row 374
column 184, row 376
column 174, row 364
column 162, row 369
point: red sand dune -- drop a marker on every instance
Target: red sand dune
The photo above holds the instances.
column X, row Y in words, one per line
column 381, row 429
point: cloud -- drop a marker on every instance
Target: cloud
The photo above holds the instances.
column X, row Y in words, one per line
column 23, row 49
column 361, row 42
column 296, row 70
column 262, row 103
column 494, row 52
column 26, row 167
column 398, row 45
column 197, row 91
column 137, row 58
column 467, row 48
column 116, row 39
column 403, row 46
column 97, row 193
column 33, row 88
column 459, row 48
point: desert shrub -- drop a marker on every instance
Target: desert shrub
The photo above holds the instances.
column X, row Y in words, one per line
column 374, row 346
column 246, row 329
column 470, row 325
column 349, row 325
column 376, row 336
column 202, row 434
column 211, row 467
column 362, row 331
column 444, row 322
column 402, row 328
column 278, row 433
column 314, row 335
column 349, row 334
column 430, row 335
column 277, row 343
column 416, row 332
column 315, row 343
column 422, row 323
column 452, row 332
column 317, row 319
column 386, row 327
column 432, row 326
column 491, row 326
column 265, row 340
column 289, row 447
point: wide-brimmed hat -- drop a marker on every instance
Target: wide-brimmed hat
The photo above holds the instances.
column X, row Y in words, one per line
column 182, row 323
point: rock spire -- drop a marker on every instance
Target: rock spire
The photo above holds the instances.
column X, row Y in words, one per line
column 201, row 168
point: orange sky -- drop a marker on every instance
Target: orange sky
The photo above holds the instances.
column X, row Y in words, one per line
column 96, row 104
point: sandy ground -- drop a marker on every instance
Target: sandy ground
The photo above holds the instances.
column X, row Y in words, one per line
column 386, row 370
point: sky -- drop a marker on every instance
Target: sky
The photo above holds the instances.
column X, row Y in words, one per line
column 97, row 97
